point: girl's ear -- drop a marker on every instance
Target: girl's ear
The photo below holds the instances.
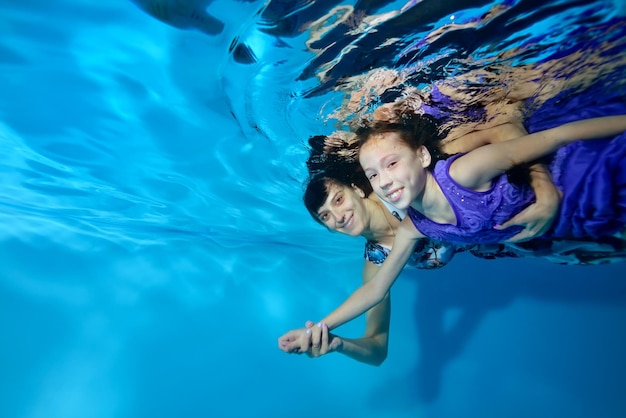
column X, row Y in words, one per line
column 424, row 156
column 358, row 191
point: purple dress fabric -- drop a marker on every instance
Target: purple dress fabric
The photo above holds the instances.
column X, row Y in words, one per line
column 476, row 212
column 591, row 175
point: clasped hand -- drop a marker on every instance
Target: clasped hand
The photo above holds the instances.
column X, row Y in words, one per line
column 314, row 340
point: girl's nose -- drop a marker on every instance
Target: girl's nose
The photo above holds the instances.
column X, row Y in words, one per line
column 384, row 181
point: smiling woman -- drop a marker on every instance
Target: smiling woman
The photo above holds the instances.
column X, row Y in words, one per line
column 343, row 209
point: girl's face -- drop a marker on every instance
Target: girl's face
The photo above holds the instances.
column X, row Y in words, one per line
column 344, row 210
column 397, row 172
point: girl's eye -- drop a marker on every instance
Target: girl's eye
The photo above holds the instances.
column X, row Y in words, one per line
column 372, row 177
column 339, row 200
column 392, row 164
column 324, row 217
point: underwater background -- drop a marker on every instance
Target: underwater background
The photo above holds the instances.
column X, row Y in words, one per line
column 153, row 243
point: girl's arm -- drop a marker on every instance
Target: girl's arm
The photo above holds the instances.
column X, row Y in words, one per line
column 476, row 169
column 536, row 218
column 372, row 292
column 371, row 348
column 478, row 138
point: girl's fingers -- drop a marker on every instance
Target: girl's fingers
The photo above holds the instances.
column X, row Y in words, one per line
column 284, row 340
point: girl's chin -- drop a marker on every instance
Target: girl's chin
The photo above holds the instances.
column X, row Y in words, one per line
column 402, row 204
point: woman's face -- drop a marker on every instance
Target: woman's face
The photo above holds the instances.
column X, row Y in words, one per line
column 397, row 172
column 344, row 210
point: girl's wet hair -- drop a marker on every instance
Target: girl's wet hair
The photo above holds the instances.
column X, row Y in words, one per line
column 413, row 129
column 327, row 169
column 416, row 130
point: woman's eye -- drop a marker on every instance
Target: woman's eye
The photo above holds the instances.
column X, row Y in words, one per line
column 339, row 200
column 372, row 176
column 324, row 217
column 392, row 164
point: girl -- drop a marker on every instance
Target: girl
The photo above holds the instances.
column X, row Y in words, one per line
column 467, row 195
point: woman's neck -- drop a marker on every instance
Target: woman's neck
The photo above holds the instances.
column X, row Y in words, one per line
column 382, row 224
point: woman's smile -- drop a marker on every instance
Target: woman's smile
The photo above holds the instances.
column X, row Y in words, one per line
column 349, row 222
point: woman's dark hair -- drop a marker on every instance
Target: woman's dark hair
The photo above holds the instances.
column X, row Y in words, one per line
column 414, row 129
column 325, row 169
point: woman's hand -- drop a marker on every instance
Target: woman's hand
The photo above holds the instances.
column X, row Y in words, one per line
column 535, row 219
column 538, row 217
column 322, row 341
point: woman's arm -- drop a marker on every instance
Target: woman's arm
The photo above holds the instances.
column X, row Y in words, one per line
column 477, row 168
column 371, row 348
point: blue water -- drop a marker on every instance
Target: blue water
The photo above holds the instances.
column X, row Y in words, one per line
column 153, row 245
